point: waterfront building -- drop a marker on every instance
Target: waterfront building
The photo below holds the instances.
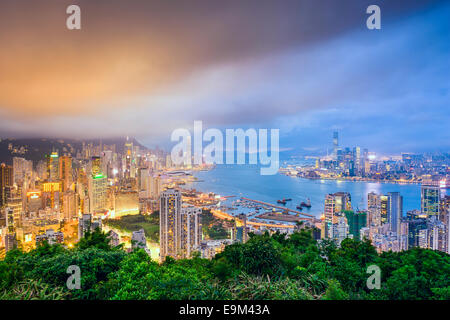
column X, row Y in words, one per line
column 430, row 200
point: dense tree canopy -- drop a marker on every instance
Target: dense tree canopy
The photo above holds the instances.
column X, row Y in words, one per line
column 266, row 267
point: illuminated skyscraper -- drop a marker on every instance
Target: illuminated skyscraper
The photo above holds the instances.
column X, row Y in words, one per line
column 334, row 203
column 384, row 204
column 52, row 194
column 128, row 158
column 240, row 229
column 430, row 198
column 191, row 231
column 170, row 224
column 373, row 209
column 96, row 163
column 53, row 166
column 98, row 186
column 6, row 180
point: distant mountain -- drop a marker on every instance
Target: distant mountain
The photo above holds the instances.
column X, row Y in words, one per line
column 36, row 148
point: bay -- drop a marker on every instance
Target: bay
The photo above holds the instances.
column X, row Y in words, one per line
column 246, row 181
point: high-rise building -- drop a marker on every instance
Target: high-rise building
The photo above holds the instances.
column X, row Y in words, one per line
column 384, row 208
column 34, row 201
column 335, row 143
column 6, row 180
column 21, row 169
column 240, row 233
column 65, row 172
column 98, row 187
column 356, row 221
column 170, row 224
column 70, row 205
column 430, row 198
column 373, row 210
column 395, row 210
column 53, row 166
column 191, row 231
column 416, row 223
column 52, row 194
column 96, row 166
column 154, row 186
column 334, row 203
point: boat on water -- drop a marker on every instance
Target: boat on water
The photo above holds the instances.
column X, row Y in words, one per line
column 306, row 204
column 299, row 207
column 281, row 201
column 289, row 199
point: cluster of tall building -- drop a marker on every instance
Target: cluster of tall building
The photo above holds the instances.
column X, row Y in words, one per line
column 358, row 163
column 53, row 199
column 351, row 162
column 385, row 224
column 180, row 226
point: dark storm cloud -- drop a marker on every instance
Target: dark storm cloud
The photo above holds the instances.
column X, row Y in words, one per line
column 144, row 68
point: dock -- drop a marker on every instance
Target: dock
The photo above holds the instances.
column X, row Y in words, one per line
column 310, row 216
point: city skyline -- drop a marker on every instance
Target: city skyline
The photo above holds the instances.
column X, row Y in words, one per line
column 223, row 155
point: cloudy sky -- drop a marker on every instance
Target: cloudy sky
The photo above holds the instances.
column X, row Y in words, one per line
column 307, row 67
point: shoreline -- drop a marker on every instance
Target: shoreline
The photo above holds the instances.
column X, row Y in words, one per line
column 356, row 180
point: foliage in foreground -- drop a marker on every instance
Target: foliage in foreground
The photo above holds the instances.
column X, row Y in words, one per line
column 266, row 267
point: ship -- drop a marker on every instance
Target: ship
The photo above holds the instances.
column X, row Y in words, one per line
column 306, row 204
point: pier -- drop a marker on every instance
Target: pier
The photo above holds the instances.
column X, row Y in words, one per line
column 279, row 207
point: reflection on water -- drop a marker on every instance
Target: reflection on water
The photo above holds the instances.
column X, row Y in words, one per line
column 245, row 181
